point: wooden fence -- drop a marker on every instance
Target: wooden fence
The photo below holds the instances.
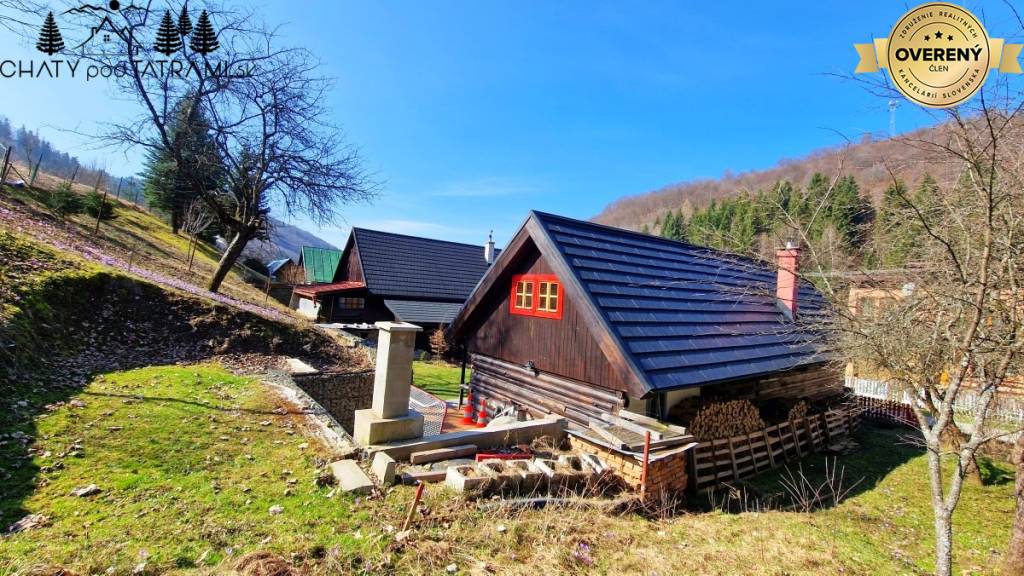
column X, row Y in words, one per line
column 729, row 459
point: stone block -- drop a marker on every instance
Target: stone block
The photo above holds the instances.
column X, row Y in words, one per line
column 440, row 454
column 372, row 429
column 351, row 477
column 531, row 477
column 383, row 467
column 426, row 476
column 466, row 478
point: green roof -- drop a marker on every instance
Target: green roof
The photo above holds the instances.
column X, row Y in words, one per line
column 320, row 264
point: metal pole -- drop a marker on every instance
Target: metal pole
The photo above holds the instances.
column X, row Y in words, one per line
column 647, row 460
column 462, row 378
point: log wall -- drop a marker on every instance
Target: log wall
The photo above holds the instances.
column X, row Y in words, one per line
column 502, row 384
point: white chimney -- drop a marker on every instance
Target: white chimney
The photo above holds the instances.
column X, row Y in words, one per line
column 489, row 248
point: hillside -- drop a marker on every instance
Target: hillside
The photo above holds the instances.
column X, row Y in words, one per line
column 867, row 161
column 286, row 241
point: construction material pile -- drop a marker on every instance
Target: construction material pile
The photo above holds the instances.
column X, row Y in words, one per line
column 726, row 419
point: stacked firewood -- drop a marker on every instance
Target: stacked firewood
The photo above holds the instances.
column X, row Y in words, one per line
column 798, row 411
column 726, row 419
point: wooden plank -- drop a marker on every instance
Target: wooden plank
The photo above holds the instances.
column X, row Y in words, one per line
column 610, row 437
column 750, row 447
column 771, row 456
column 633, row 426
column 647, row 420
column 732, row 456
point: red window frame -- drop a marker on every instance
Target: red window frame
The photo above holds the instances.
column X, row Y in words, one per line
column 535, row 280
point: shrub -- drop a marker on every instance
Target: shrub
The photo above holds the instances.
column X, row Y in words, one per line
column 95, row 205
column 63, row 202
column 439, row 344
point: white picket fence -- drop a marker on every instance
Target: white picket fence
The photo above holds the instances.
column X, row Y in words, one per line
column 1004, row 410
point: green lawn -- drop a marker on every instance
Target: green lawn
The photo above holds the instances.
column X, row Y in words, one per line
column 441, row 380
column 190, row 459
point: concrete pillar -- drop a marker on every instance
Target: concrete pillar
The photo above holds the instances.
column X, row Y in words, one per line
column 389, row 417
column 392, row 380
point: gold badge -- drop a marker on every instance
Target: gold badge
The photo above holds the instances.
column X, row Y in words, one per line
column 938, row 55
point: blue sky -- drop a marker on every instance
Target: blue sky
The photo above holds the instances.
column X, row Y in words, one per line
column 471, row 113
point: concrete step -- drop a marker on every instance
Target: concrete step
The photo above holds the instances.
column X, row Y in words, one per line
column 440, row 454
column 351, row 477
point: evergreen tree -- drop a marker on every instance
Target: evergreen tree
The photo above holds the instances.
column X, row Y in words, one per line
column 849, row 213
column 168, row 41
column 645, row 229
column 894, row 238
column 673, row 226
column 170, row 187
column 184, row 22
column 204, row 39
column 50, row 41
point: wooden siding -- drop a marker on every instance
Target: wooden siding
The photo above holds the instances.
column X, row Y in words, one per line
column 502, row 383
column 565, row 347
column 350, row 268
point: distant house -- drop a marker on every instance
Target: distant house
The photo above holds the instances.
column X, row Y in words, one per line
column 385, row 276
column 579, row 320
column 319, row 264
column 279, row 269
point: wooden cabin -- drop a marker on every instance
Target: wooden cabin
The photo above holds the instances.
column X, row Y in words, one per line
column 579, row 319
column 385, row 276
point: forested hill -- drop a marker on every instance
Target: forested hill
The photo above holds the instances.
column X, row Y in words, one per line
column 844, row 202
column 866, row 161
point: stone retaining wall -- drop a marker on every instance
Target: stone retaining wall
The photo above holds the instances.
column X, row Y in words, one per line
column 340, row 394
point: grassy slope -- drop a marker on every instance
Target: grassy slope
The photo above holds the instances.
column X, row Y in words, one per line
column 135, row 235
column 188, row 468
column 441, row 380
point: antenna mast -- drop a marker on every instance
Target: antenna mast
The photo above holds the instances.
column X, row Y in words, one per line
column 892, row 117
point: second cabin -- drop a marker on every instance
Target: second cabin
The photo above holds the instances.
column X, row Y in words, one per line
column 579, row 320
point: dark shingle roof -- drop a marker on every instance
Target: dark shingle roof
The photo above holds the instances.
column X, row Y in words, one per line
column 423, row 312
column 320, row 264
column 420, row 268
column 274, row 265
column 687, row 315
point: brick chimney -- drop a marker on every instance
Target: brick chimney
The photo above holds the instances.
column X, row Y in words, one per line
column 489, row 248
column 786, row 286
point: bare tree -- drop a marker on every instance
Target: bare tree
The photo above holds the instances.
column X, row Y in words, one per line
column 266, row 109
column 197, row 220
column 951, row 327
column 1015, row 553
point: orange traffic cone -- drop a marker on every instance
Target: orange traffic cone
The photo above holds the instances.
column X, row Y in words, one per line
column 481, row 416
column 467, row 410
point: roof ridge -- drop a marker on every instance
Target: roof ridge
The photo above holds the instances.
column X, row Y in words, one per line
column 648, row 237
column 396, row 234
